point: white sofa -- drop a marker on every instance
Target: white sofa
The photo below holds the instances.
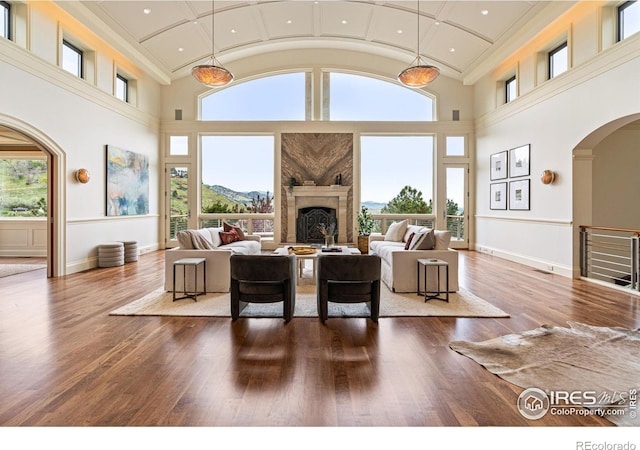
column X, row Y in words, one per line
column 217, row 260
column 400, row 267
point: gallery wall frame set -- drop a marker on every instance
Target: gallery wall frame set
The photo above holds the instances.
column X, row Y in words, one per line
column 514, row 194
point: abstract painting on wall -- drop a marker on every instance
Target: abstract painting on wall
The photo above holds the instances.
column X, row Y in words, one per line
column 127, row 182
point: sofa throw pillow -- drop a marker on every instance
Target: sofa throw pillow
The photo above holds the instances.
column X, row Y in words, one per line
column 409, row 239
column 227, row 237
column 396, row 230
column 413, row 229
column 417, row 238
column 228, row 227
column 428, row 241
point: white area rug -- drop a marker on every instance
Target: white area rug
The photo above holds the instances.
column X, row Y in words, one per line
column 461, row 304
column 14, row 269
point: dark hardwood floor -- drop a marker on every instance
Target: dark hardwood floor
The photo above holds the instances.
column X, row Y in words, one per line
column 65, row 362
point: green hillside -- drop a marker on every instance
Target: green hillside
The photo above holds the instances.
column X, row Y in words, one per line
column 23, row 188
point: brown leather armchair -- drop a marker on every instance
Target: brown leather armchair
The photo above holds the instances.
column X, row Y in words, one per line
column 263, row 279
column 348, row 279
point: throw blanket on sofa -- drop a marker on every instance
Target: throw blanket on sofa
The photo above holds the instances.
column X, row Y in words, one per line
column 193, row 239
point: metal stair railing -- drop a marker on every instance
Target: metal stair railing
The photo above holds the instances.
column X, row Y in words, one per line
column 611, row 255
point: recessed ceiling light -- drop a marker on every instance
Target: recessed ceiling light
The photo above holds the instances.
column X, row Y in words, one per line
column 484, row 12
column 289, row 21
column 146, row 11
column 399, row 31
column 233, row 30
column 452, row 49
column 344, row 22
column 180, row 49
column 436, row 23
column 195, row 22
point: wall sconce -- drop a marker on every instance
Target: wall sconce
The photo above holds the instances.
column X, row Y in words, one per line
column 548, row 176
column 83, row 176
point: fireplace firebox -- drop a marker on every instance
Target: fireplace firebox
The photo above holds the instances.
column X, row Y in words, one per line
column 310, row 221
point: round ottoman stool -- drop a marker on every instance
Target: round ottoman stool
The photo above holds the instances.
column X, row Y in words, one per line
column 130, row 251
column 111, row 254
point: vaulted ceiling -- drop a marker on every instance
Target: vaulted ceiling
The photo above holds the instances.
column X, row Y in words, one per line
column 171, row 36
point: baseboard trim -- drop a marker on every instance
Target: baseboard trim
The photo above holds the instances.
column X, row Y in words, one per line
column 92, row 262
column 539, row 264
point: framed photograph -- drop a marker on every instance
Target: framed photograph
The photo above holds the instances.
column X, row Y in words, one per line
column 519, row 194
column 498, row 196
column 519, row 161
column 499, row 166
column 127, row 182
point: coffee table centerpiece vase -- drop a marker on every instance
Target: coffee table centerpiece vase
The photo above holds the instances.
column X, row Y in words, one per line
column 329, row 233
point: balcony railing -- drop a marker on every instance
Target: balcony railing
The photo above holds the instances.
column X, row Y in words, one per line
column 455, row 224
column 610, row 255
column 382, row 221
column 254, row 223
column 262, row 224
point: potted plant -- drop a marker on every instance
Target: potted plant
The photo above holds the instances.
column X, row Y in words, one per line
column 365, row 227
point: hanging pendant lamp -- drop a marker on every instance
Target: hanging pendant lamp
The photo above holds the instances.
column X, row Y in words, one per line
column 418, row 75
column 212, row 74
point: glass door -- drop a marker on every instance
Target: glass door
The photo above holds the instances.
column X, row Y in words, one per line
column 178, row 203
column 455, row 214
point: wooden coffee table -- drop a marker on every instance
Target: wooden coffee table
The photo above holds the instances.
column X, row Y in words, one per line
column 301, row 259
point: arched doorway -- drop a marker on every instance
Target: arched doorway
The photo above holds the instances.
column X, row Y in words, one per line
column 56, row 162
column 599, row 170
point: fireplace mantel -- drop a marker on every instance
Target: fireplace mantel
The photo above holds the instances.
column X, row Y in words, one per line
column 326, row 196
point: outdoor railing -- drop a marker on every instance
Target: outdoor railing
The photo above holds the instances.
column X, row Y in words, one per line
column 455, row 224
column 382, row 221
column 262, row 224
column 611, row 255
column 253, row 223
column 178, row 222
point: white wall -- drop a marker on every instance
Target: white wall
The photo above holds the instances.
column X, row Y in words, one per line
column 616, row 179
column 553, row 117
column 81, row 117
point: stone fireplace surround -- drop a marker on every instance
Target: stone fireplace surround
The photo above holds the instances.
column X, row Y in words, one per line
column 334, row 197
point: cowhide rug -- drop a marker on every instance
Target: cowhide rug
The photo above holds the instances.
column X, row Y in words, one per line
column 597, row 362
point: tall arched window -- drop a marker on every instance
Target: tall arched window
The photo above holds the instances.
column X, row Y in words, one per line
column 362, row 98
column 275, row 97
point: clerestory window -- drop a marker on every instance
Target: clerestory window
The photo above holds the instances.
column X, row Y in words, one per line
column 628, row 19
column 558, row 60
column 72, row 59
column 5, row 20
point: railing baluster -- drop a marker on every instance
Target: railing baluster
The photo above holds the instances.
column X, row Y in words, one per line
column 583, row 252
column 635, row 262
